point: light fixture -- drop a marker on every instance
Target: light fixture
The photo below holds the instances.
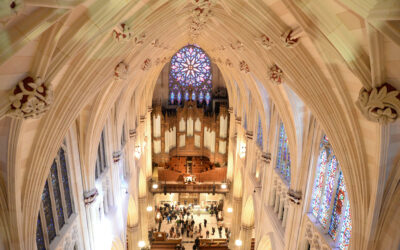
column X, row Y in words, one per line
column 138, row 152
column 149, row 208
column 141, row 244
column 238, row 243
column 155, row 186
column 230, row 210
column 242, row 151
column 223, row 186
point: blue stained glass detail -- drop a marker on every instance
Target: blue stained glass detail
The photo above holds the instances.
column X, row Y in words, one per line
column 40, row 245
column 179, row 97
column 345, row 233
column 245, row 120
column 283, row 157
column 186, row 96
column 48, row 212
column 57, row 195
column 190, row 72
column 64, row 175
column 201, row 96
column 193, row 96
column 208, row 98
column 328, row 191
column 172, row 97
column 259, row 133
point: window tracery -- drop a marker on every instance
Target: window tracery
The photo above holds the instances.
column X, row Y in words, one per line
column 329, row 201
column 57, row 204
column 259, row 133
column 283, row 156
column 190, row 75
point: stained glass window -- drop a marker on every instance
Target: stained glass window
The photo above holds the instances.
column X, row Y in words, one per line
column 57, row 194
column 48, row 212
column 283, row 157
column 65, row 180
column 329, row 200
column 259, row 133
column 190, row 75
column 39, row 235
column 57, row 204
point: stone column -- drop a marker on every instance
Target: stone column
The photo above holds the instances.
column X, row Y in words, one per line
column 143, row 218
column 247, row 232
column 293, row 218
column 236, row 220
column 133, row 237
column 91, row 218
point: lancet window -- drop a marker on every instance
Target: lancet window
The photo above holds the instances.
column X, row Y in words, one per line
column 259, row 133
column 283, row 155
column 330, row 203
column 101, row 161
column 190, row 76
column 57, row 205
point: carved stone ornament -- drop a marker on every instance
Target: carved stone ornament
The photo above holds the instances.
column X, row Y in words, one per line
column 294, row 196
column 228, row 63
column 276, row 74
column 30, row 98
column 200, row 15
column 121, row 71
column 288, row 40
column 116, row 156
column 9, row 9
column 381, row 104
column 266, row 42
column 122, row 33
column 139, row 40
column 238, row 45
column 146, row 64
column 244, row 66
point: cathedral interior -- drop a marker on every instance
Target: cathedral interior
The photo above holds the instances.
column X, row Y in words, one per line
column 199, row 124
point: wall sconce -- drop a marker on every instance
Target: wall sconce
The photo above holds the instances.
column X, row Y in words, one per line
column 149, row 208
column 242, row 150
column 141, row 244
column 155, row 186
column 238, row 243
column 224, row 186
column 230, row 210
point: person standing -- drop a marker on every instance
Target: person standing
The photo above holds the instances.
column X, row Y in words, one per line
column 213, row 230
column 197, row 243
column 159, row 225
column 205, row 223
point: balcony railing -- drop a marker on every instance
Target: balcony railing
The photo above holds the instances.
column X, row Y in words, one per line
column 170, row 187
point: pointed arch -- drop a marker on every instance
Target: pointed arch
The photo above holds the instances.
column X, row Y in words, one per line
column 248, row 212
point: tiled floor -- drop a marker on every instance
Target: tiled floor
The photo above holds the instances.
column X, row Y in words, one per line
column 198, row 218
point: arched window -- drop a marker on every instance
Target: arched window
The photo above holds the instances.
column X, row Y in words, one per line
column 283, row 156
column 259, row 133
column 57, row 204
column 329, row 201
column 101, row 161
column 190, row 75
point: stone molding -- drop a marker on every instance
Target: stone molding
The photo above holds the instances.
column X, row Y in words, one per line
column 121, row 71
column 90, row 196
column 249, row 135
column 380, row 104
column 228, row 63
column 266, row 157
column 289, row 40
column 132, row 133
column 30, row 98
column 276, row 75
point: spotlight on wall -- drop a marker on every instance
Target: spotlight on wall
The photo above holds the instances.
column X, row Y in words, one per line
column 149, row 208
column 224, row 186
column 138, row 152
column 238, row 243
column 230, row 210
column 141, row 244
column 155, row 186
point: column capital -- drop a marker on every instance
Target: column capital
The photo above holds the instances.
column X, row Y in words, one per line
column 149, row 109
column 237, row 199
column 249, row 135
column 266, row 157
column 294, row 196
column 238, row 120
column 247, row 228
column 116, row 156
column 132, row 133
column 133, row 228
column 142, row 119
column 230, row 110
column 90, row 196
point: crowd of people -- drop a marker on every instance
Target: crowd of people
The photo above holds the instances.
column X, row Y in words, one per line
column 183, row 223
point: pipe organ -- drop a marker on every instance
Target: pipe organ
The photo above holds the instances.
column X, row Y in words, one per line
column 190, row 132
